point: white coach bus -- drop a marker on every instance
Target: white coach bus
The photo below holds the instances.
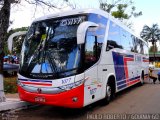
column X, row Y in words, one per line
column 73, row 59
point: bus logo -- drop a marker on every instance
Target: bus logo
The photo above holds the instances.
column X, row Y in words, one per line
column 39, row 90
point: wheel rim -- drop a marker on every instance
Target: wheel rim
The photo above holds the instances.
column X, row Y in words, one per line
column 142, row 79
column 108, row 92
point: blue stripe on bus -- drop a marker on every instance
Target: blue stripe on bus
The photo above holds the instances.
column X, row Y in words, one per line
column 124, row 81
column 131, row 79
column 131, row 56
column 122, row 86
column 121, row 82
column 119, row 67
column 118, row 60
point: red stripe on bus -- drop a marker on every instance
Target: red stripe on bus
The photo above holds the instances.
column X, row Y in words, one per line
column 134, row 81
column 32, row 83
column 145, row 60
column 126, row 69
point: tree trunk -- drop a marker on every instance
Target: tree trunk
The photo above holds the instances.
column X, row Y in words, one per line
column 154, row 46
column 4, row 24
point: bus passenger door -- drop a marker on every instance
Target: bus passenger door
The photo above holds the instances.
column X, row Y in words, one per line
column 91, row 91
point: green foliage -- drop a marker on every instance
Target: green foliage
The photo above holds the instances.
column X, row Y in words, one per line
column 119, row 9
column 120, row 13
column 10, row 85
column 17, row 44
column 106, row 6
column 153, row 49
column 5, row 50
column 16, row 30
column 151, row 34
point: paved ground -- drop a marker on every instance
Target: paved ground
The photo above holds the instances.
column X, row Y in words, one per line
column 137, row 99
column 8, row 95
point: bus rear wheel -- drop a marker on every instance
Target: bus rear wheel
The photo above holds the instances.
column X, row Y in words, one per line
column 142, row 79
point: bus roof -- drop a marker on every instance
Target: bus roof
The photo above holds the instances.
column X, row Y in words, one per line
column 73, row 12
column 84, row 11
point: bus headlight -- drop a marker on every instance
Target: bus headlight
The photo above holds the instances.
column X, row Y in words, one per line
column 72, row 85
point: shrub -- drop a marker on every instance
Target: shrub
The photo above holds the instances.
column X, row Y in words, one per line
column 10, row 84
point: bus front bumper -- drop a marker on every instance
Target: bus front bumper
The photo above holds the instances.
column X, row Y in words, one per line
column 73, row 98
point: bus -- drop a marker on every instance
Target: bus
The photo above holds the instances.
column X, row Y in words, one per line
column 75, row 58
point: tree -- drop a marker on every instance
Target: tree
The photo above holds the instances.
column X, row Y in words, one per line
column 4, row 24
column 119, row 8
column 153, row 49
column 151, row 34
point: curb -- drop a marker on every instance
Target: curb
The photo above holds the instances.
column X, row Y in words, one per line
column 13, row 104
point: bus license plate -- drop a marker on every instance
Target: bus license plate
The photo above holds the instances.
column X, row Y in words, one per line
column 40, row 99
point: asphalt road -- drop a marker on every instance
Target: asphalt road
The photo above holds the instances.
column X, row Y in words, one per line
column 135, row 100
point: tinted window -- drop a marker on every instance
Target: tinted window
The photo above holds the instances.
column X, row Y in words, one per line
column 141, row 43
column 93, row 46
column 120, row 38
column 129, row 39
column 50, row 49
column 100, row 31
column 90, row 51
column 126, row 40
column 114, row 36
column 94, row 39
column 135, row 43
column 138, row 45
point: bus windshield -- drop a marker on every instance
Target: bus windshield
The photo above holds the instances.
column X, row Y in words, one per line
column 50, row 49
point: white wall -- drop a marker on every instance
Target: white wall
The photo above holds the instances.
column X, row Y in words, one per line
column 2, row 96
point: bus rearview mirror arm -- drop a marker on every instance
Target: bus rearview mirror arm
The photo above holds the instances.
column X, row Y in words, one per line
column 10, row 39
column 82, row 29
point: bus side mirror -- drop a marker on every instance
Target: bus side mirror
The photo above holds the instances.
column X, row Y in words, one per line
column 82, row 29
column 10, row 39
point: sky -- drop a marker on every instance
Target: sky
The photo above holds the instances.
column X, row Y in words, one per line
column 23, row 14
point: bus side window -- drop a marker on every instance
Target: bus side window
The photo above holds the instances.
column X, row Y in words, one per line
column 126, row 40
column 131, row 46
column 135, row 44
column 114, row 38
column 138, row 45
column 141, row 47
column 90, row 51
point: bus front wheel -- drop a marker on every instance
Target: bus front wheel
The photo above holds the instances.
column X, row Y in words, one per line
column 108, row 95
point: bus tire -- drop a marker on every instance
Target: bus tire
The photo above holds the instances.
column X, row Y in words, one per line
column 142, row 79
column 107, row 99
column 110, row 93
